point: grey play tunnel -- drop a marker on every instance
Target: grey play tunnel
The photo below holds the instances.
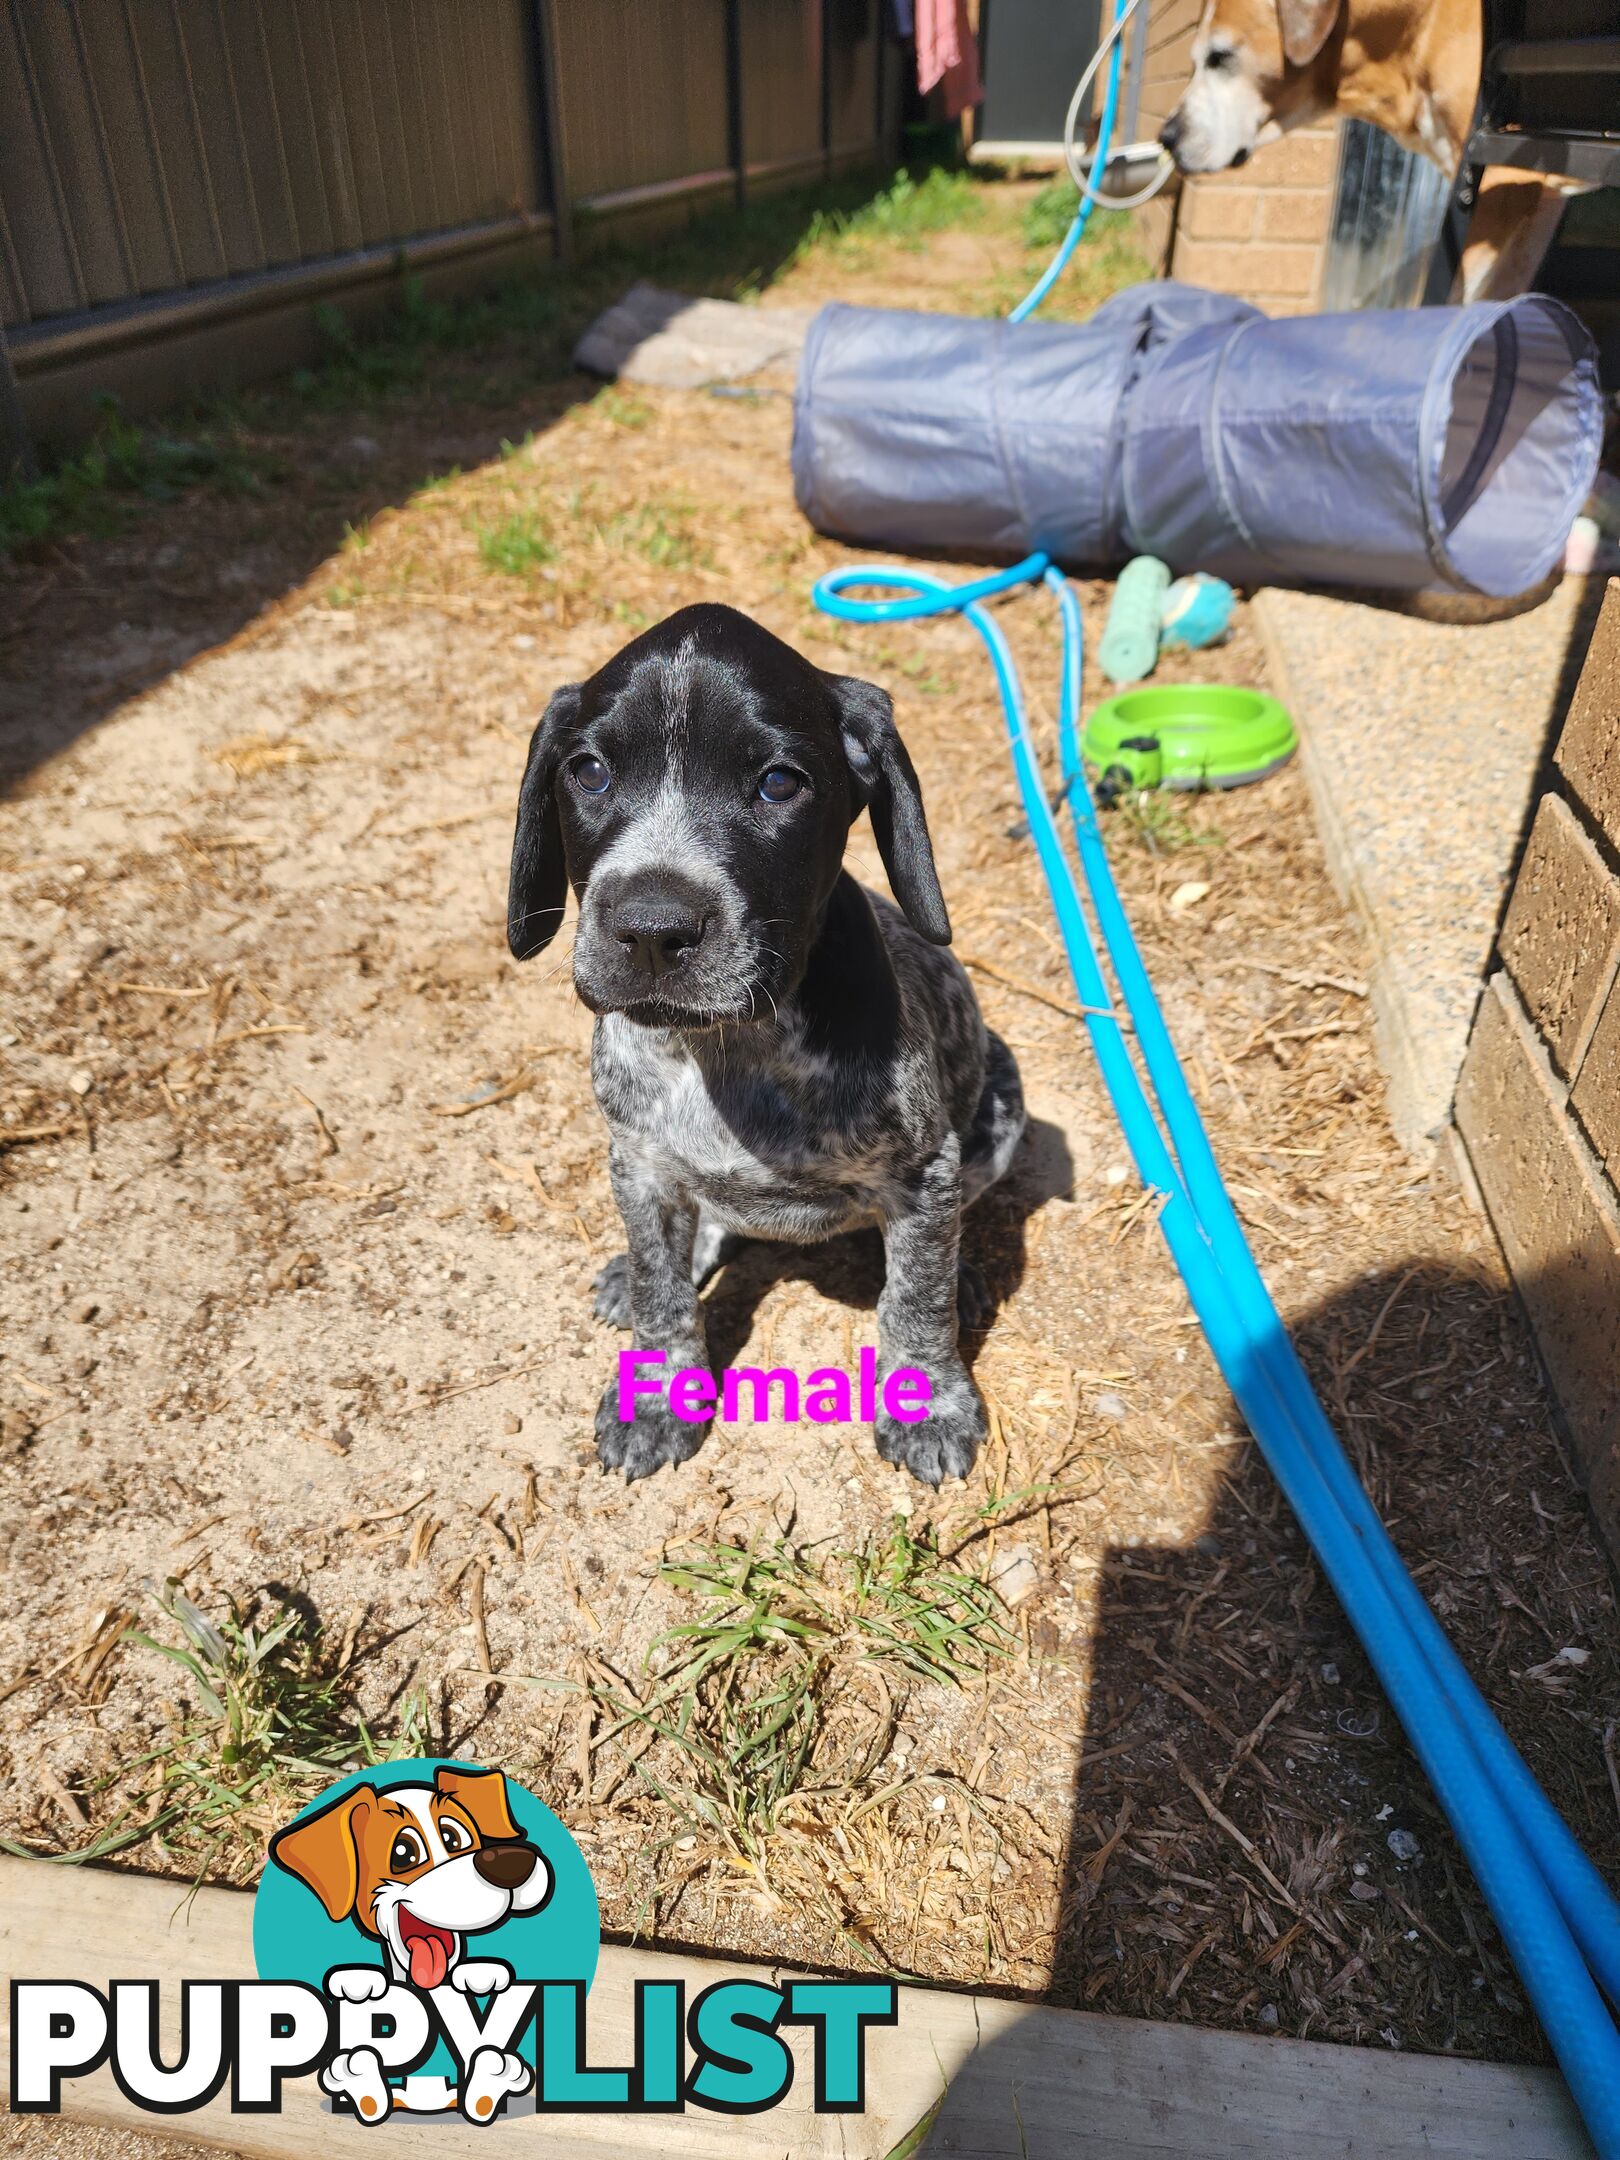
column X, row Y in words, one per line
column 1438, row 447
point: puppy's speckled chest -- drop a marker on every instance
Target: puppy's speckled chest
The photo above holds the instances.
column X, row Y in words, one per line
column 755, row 1141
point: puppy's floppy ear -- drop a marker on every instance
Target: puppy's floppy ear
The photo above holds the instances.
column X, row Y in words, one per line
column 483, row 1794
column 1305, row 25
column 537, row 890
column 886, row 784
column 322, row 1850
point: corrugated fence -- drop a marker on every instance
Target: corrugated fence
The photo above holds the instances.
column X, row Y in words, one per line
column 181, row 179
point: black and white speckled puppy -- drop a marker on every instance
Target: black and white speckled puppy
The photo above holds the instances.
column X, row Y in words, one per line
column 778, row 1053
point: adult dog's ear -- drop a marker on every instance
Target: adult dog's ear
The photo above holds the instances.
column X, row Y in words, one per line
column 537, row 890
column 1305, row 25
column 322, row 1850
column 886, row 785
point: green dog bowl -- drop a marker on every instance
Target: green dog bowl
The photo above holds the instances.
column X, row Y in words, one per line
column 1186, row 735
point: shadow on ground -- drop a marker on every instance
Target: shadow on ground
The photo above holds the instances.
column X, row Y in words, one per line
column 1311, row 1860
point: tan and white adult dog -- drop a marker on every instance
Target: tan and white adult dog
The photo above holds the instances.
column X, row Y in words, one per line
column 1410, row 67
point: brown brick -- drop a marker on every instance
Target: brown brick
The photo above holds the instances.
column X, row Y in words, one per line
column 1248, row 269
column 1233, row 178
column 1561, row 939
column 1297, row 161
column 1559, row 1229
column 1589, row 753
column 1294, row 214
column 1219, row 214
column 1595, row 1097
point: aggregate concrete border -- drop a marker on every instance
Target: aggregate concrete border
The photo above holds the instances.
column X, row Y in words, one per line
column 1423, row 742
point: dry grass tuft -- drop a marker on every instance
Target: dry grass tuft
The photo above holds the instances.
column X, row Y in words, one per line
column 269, row 1724
column 245, row 756
column 764, row 1743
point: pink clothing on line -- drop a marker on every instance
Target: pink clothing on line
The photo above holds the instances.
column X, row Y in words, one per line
column 947, row 53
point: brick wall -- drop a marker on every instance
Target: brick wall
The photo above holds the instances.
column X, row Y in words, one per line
column 1259, row 230
column 1538, row 1104
column 1169, row 66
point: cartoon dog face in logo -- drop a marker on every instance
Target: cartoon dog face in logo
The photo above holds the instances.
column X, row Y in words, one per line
column 420, row 1868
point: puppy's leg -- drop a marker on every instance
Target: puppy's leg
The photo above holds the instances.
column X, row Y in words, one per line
column 712, row 1247
column 998, row 1122
column 661, row 1226
column 917, row 1324
column 987, row 1153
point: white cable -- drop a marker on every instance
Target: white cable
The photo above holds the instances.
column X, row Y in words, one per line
column 1074, row 158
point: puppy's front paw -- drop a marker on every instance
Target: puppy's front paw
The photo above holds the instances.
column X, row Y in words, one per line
column 492, row 2076
column 612, row 1288
column 358, row 2078
column 640, row 1445
column 944, row 1443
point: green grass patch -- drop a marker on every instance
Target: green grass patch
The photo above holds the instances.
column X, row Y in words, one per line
column 659, row 532
column 382, row 362
column 517, row 546
column 120, row 468
column 905, row 213
column 1107, row 257
column 1048, row 215
column 773, row 1709
column 1155, row 819
column 624, row 411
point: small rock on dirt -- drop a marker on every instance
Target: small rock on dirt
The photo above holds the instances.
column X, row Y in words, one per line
column 1013, row 1575
column 17, row 1428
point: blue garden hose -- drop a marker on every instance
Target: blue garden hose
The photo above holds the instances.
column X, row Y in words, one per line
column 1560, row 1922
column 1082, row 216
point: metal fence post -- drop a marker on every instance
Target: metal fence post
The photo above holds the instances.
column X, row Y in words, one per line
column 879, row 58
column 736, row 116
column 17, row 459
column 826, row 87
column 548, row 112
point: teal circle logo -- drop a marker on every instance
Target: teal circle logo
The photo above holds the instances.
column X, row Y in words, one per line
column 429, row 1874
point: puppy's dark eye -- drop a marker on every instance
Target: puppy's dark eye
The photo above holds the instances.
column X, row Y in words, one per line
column 1220, row 56
column 779, row 785
column 407, row 1851
column 591, row 775
column 455, row 1838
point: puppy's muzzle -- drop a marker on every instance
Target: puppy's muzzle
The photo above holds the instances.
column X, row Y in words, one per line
column 658, row 928
column 508, row 1867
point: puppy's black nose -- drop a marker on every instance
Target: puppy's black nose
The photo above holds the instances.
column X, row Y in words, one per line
column 1170, row 133
column 658, row 930
column 506, row 1866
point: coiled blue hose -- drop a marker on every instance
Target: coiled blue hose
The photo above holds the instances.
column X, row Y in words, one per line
column 1557, row 1916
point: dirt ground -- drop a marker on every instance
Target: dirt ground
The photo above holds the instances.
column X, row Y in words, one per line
column 302, row 1190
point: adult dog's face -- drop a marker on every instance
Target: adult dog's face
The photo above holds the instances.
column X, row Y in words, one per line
column 1260, row 67
column 697, row 792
